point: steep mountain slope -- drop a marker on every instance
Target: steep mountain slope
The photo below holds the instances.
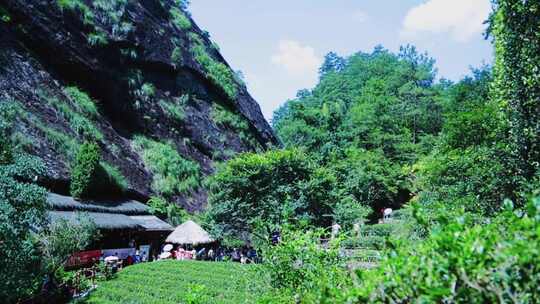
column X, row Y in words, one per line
column 136, row 76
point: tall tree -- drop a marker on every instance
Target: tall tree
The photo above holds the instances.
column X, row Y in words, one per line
column 257, row 193
column 515, row 27
column 332, row 63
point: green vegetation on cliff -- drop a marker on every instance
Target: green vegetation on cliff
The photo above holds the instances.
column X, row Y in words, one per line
column 173, row 174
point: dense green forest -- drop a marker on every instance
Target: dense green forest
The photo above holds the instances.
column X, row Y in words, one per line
column 459, row 162
column 460, row 159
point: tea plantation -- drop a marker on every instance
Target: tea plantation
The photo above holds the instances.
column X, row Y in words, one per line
column 187, row 282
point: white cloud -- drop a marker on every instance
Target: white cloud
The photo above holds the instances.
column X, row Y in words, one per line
column 463, row 19
column 296, row 58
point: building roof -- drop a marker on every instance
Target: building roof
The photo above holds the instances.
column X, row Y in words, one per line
column 103, row 221
column 107, row 215
column 67, row 203
column 151, row 223
column 189, row 233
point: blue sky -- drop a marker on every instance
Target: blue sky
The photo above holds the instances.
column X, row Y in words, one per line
column 279, row 44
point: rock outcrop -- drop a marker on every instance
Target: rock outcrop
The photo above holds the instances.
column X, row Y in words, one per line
column 123, row 73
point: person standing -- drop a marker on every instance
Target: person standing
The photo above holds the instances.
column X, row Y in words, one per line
column 235, row 256
column 335, row 230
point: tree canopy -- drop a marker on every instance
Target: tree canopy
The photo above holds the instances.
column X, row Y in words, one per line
column 257, row 193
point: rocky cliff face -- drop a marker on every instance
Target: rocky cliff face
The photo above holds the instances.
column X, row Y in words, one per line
column 136, row 76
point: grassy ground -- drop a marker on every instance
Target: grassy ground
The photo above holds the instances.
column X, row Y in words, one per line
column 187, row 282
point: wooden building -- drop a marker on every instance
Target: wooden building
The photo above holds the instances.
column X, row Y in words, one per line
column 121, row 224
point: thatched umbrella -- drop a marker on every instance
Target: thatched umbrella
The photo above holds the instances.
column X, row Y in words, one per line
column 189, row 233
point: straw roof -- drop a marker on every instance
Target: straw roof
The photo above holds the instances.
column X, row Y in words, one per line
column 110, row 215
column 67, row 203
column 103, row 221
column 151, row 223
column 189, row 233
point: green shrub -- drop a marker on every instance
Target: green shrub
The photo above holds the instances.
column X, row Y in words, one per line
column 176, row 55
column 85, row 171
column 300, row 268
column 349, row 212
column 98, row 38
column 383, row 230
column 464, row 262
column 180, row 19
column 174, row 214
column 144, row 93
column 229, row 119
column 366, row 242
column 63, row 143
column 83, row 101
column 6, row 153
column 182, row 4
column 175, row 109
column 4, row 15
column 254, row 194
column 8, row 112
column 218, row 72
column 22, row 212
column 173, row 174
column 79, row 115
column 115, row 177
column 221, row 116
column 148, row 89
column 91, row 178
column 88, row 15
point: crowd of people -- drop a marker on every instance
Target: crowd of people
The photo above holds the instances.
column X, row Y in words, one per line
column 244, row 255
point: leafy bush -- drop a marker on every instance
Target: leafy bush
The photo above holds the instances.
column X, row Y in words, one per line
column 230, row 119
column 88, row 15
column 176, row 55
column 475, row 178
column 62, row 238
column 180, row 19
column 6, row 154
column 31, row 247
column 144, row 93
column 148, row 89
column 174, row 214
column 218, row 72
column 182, row 4
column 173, row 174
column 4, row 15
column 85, row 172
column 22, row 210
column 366, row 242
column 115, row 177
column 348, row 212
column 464, row 262
column 97, row 38
column 257, row 193
column 83, row 101
column 175, row 109
column 79, row 119
column 300, row 267
column 8, row 113
column 225, row 117
column 91, row 178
